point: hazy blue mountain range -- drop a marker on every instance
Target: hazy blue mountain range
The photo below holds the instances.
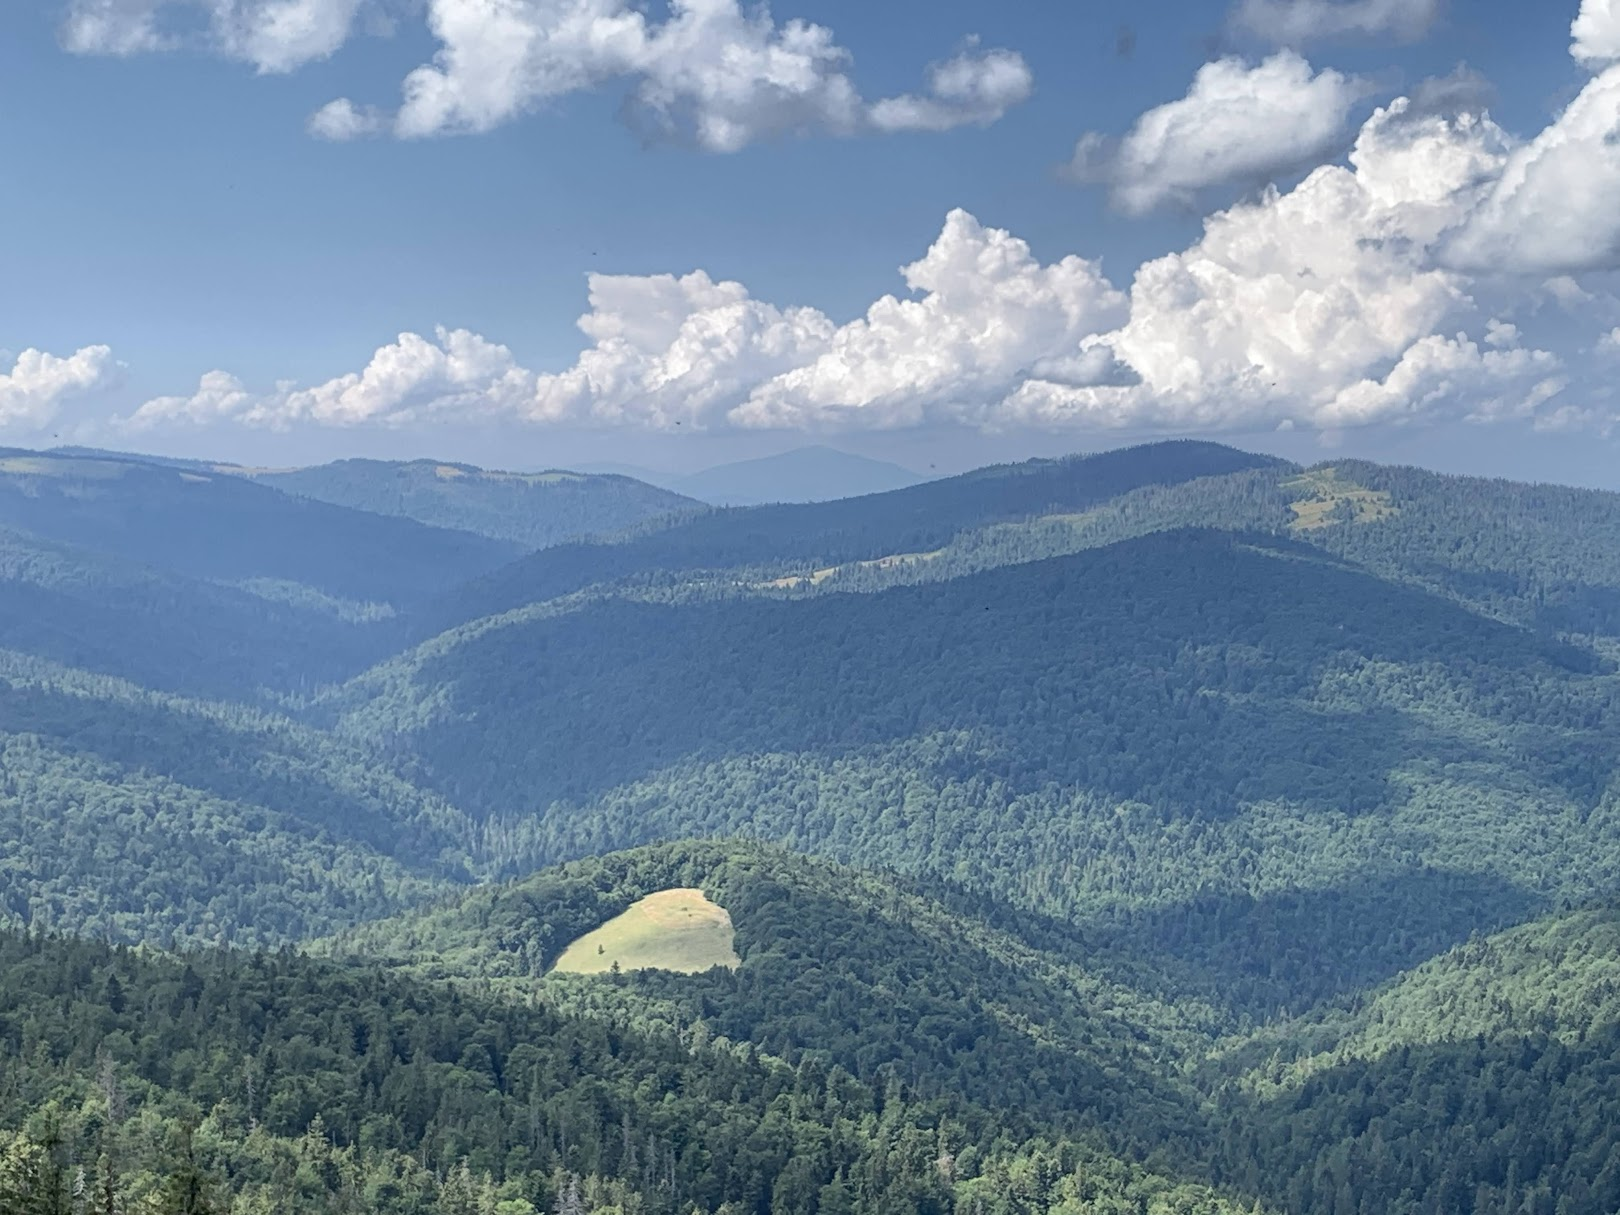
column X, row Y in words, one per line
column 535, row 510
column 805, row 474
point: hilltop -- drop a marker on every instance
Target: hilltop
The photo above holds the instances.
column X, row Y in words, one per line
column 534, row 510
column 805, row 474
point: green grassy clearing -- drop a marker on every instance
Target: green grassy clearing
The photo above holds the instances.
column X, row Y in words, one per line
column 1326, row 498
column 677, row 930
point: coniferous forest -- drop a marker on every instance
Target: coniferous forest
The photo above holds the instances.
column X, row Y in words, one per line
column 1171, row 830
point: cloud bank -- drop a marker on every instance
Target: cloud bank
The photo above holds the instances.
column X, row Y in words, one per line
column 1347, row 300
column 1297, row 22
column 1378, row 289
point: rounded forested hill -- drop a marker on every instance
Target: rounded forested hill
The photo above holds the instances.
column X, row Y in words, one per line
column 199, row 523
column 535, row 510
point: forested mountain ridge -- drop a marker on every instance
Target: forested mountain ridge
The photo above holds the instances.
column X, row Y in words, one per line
column 535, row 510
column 1542, row 556
column 1482, row 1081
column 801, row 537
column 1538, row 556
column 1545, row 556
column 197, row 582
column 1556, row 978
column 1300, row 728
column 226, row 529
column 99, row 612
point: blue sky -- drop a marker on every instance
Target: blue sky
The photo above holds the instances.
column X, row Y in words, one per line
column 170, row 216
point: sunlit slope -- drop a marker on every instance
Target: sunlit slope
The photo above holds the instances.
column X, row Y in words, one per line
column 677, row 930
column 1556, row 978
column 136, row 816
column 1492, row 1068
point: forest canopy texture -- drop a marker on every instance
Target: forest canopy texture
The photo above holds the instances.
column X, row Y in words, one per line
column 1167, row 830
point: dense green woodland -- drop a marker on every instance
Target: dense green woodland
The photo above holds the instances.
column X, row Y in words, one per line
column 251, row 1082
column 1170, row 830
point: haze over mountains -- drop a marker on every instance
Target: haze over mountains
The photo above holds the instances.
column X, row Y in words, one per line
column 1172, row 829
column 805, row 474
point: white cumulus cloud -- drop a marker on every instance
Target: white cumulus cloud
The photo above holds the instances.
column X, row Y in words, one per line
column 670, row 350
column 1237, row 123
column 342, row 119
column 710, row 72
column 987, row 313
column 1319, row 306
column 1296, row 22
column 1555, row 207
column 33, row 390
column 971, row 88
column 1596, row 33
column 273, row 35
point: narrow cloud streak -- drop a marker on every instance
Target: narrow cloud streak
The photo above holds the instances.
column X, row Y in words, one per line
column 113, row 27
column 1297, row 22
column 32, row 392
column 1237, row 123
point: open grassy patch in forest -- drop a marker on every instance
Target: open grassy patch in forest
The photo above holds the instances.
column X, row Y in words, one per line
column 53, row 466
column 1326, row 498
column 817, row 577
column 679, row 930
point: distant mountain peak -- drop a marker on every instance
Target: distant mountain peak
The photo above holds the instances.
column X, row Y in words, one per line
column 817, row 473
